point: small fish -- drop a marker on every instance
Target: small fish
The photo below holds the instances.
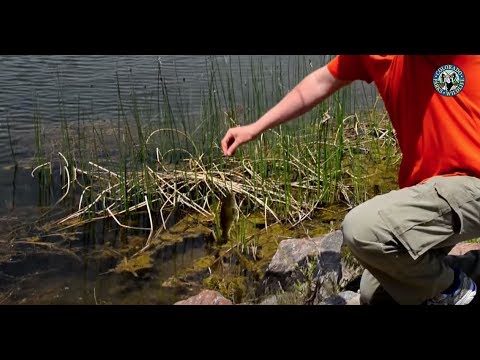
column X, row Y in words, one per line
column 228, row 214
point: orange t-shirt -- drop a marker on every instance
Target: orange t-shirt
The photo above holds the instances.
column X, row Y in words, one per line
column 434, row 106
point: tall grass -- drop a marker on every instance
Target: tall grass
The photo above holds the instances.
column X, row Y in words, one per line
column 175, row 162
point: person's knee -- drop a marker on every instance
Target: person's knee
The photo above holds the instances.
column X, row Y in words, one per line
column 360, row 230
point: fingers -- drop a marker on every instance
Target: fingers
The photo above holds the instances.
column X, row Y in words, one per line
column 231, row 149
column 231, row 142
column 227, row 141
column 234, row 138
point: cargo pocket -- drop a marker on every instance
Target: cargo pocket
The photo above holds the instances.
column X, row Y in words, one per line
column 459, row 194
column 423, row 220
column 457, row 219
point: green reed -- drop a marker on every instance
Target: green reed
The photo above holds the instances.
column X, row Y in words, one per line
column 173, row 159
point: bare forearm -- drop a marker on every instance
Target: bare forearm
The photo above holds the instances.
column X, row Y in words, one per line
column 309, row 92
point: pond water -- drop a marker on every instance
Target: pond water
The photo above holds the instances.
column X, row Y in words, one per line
column 53, row 89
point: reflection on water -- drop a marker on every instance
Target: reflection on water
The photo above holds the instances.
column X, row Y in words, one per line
column 52, row 88
column 65, row 279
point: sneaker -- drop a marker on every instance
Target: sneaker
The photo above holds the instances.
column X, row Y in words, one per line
column 463, row 295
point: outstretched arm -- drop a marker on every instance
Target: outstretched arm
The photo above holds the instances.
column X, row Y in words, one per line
column 313, row 89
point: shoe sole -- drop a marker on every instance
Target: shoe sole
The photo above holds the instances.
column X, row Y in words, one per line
column 468, row 297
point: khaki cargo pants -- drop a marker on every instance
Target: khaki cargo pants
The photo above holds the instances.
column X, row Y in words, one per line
column 402, row 238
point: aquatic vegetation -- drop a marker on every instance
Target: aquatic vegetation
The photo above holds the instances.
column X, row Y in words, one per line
column 171, row 165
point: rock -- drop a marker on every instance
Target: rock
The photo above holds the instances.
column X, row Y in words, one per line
column 285, row 298
column 329, row 265
column 271, row 300
column 316, row 260
column 464, row 247
column 354, row 300
column 206, row 297
column 290, row 253
column 351, row 271
column 343, row 298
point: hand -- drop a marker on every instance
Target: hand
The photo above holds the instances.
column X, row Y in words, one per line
column 235, row 137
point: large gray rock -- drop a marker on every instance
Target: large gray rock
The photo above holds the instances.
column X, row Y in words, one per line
column 351, row 271
column 290, row 254
column 329, row 272
column 315, row 260
column 206, row 297
column 343, row 298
